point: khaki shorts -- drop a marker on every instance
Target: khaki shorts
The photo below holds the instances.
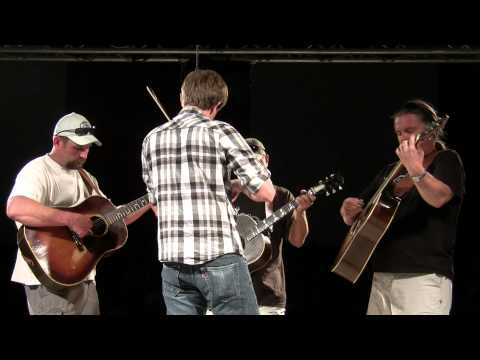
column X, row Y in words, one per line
column 81, row 299
column 410, row 294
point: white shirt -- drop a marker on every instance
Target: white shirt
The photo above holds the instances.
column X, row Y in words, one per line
column 47, row 182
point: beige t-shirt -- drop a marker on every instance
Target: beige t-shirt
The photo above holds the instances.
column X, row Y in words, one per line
column 48, row 183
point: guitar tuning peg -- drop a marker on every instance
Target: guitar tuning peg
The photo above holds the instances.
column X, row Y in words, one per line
column 327, row 193
column 334, row 191
column 340, row 188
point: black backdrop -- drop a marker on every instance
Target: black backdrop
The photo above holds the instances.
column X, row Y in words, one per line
column 313, row 118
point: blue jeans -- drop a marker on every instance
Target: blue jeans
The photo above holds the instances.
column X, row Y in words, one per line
column 223, row 285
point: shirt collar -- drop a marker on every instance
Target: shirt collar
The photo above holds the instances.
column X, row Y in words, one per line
column 192, row 109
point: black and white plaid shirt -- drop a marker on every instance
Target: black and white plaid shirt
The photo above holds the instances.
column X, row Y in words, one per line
column 186, row 165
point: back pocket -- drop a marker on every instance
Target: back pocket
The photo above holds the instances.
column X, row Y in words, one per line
column 224, row 282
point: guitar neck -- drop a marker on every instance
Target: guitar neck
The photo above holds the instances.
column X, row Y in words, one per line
column 272, row 219
column 281, row 213
column 125, row 210
column 387, row 180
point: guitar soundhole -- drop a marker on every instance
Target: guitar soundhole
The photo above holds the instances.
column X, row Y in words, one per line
column 99, row 227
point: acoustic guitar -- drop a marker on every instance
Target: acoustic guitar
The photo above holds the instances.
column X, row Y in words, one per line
column 59, row 258
column 257, row 246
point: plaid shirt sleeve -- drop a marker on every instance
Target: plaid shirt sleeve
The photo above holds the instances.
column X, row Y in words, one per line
column 242, row 161
column 146, row 170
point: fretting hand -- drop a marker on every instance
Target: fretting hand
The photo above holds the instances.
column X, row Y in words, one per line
column 305, row 200
column 411, row 156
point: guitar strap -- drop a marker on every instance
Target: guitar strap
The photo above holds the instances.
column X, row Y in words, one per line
column 88, row 182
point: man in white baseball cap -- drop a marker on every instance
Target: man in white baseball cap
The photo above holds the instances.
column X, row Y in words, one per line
column 77, row 128
column 43, row 188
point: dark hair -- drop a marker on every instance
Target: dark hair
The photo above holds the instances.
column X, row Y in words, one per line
column 428, row 115
column 204, row 89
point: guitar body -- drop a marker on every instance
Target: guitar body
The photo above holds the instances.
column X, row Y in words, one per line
column 258, row 250
column 57, row 260
column 364, row 236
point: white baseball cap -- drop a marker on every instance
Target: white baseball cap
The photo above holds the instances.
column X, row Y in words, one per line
column 77, row 128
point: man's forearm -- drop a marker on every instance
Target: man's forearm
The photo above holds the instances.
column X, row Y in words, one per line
column 433, row 191
column 299, row 229
column 137, row 214
column 32, row 213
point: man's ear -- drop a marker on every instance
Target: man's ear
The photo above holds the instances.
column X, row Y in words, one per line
column 214, row 110
column 219, row 106
column 58, row 140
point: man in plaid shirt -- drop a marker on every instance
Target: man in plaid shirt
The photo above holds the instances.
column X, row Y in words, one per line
column 187, row 165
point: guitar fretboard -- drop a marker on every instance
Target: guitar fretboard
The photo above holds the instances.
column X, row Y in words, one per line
column 283, row 211
column 272, row 219
column 127, row 209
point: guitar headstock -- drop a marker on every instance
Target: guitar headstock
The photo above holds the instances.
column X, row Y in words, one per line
column 433, row 129
column 330, row 185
